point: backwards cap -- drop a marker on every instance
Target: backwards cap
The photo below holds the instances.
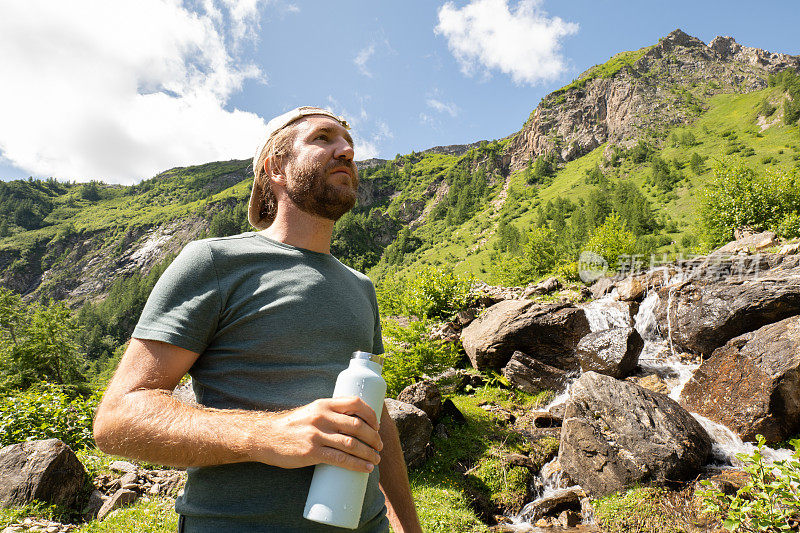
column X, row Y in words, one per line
column 254, row 209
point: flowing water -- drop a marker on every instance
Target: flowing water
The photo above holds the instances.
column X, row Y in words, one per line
column 658, row 357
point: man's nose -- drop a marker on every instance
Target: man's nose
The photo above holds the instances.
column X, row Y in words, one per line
column 344, row 150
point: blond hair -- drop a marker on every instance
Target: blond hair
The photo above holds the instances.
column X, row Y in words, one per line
column 278, row 149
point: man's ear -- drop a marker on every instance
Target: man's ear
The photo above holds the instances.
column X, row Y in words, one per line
column 273, row 166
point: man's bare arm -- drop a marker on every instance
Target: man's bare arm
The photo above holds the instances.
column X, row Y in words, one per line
column 139, row 418
column 394, row 480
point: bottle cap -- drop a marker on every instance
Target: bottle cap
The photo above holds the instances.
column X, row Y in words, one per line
column 369, row 356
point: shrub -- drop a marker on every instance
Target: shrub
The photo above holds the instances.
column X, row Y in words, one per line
column 540, row 255
column 429, row 292
column 769, row 501
column 412, row 353
column 612, row 240
column 737, row 196
column 47, row 412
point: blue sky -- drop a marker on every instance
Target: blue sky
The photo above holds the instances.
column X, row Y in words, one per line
column 119, row 91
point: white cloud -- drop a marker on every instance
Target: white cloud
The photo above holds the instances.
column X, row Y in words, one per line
column 522, row 42
column 442, row 107
column 121, row 90
column 362, row 58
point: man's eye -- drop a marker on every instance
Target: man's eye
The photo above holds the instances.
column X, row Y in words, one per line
column 321, row 136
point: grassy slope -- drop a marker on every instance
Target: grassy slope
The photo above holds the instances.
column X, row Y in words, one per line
column 469, row 245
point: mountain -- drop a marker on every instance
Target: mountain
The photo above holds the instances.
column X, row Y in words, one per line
column 624, row 131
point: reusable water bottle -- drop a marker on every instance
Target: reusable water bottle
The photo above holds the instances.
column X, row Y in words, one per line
column 337, row 494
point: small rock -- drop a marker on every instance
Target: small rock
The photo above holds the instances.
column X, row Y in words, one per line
column 128, row 478
column 122, row 466
column 121, row 498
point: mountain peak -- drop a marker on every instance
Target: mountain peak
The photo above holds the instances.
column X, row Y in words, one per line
column 680, row 38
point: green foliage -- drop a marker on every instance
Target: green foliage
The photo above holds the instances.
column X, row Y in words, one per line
column 542, row 169
column 47, row 412
column 738, row 196
column 641, row 152
column 696, row 163
column 789, row 81
column 768, row 502
column 413, row 353
column 37, row 343
column 612, row 240
column 639, row 509
column 356, row 240
column 466, row 194
column 540, row 255
column 230, row 220
column 426, row 293
column 664, row 176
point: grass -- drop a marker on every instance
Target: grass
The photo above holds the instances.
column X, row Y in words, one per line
column 649, row 510
column 147, row 515
column 468, row 475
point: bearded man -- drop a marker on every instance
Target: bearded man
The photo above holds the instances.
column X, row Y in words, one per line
column 263, row 322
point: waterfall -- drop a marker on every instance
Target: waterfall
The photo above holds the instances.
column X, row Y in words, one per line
column 658, row 357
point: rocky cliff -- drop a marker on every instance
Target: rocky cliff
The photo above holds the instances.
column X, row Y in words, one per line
column 640, row 94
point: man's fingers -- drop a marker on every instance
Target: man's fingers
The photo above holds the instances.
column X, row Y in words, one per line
column 336, row 457
column 355, row 406
column 355, row 426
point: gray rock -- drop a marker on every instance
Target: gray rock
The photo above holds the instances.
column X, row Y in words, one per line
column 415, row 429
column 725, row 298
column 96, row 501
column 546, row 332
column 752, row 384
column 43, row 470
column 559, row 501
column 617, row 434
column 424, row 395
column 532, row 376
column 613, row 352
column 602, row 287
column 122, row 466
column 119, row 499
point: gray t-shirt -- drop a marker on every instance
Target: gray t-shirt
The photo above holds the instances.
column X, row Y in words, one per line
column 274, row 325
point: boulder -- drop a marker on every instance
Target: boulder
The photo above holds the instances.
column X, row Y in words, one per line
column 726, row 298
column 424, row 395
column 613, row 352
column 602, row 287
column 532, row 376
column 119, row 499
column 415, row 429
column 748, row 242
column 43, row 470
column 752, row 384
column 547, row 332
column 617, row 434
column 547, row 286
column 552, row 505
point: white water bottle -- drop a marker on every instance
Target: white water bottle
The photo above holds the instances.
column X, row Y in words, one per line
column 336, row 494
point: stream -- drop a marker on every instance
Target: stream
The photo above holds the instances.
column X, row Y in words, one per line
column 658, row 357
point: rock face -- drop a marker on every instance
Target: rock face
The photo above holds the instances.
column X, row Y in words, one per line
column 752, row 384
column 728, row 297
column 616, row 434
column 546, row 332
column 415, row 429
column 532, row 376
column 599, row 108
column 44, row 470
column 424, row 395
column 613, row 352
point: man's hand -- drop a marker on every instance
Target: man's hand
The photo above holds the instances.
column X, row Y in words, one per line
column 139, row 418
column 340, row 431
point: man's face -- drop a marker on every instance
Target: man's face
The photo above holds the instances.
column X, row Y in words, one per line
column 321, row 176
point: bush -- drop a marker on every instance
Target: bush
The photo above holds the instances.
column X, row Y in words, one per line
column 540, row 255
column 769, row 501
column 412, row 353
column 426, row 293
column 612, row 240
column 47, row 412
column 737, row 196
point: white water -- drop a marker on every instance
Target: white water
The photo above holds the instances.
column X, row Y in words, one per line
column 657, row 357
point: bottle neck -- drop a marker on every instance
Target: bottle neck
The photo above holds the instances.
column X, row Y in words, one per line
column 366, row 363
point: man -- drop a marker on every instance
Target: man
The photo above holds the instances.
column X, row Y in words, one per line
column 263, row 322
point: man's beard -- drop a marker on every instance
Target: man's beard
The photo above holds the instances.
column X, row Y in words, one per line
column 310, row 191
